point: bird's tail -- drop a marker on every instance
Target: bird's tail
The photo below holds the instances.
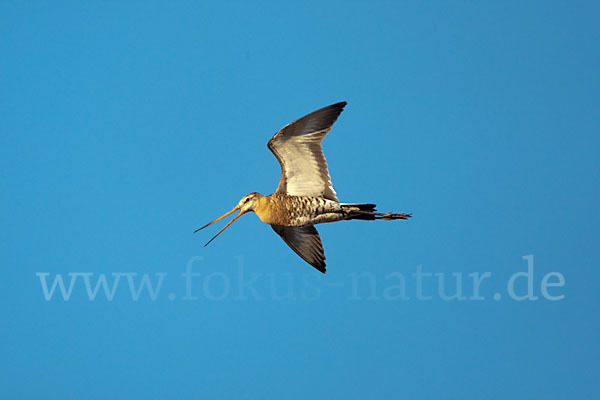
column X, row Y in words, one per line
column 368, row 212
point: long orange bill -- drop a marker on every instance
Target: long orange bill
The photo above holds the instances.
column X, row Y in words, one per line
column 221, row 217
column 225, row 227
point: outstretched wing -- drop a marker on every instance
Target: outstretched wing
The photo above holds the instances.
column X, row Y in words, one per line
column 305, row 241
column 297, row 147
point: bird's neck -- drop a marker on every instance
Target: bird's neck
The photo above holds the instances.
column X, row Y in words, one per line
column 263, row 209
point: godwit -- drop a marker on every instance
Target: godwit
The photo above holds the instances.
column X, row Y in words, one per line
column 305, row 195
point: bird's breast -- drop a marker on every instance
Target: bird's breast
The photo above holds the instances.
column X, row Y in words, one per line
column 271, row 211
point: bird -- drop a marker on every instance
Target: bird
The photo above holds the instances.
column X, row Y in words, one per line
column 305, row 196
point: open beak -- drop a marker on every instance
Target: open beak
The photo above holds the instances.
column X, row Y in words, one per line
column 225, row 227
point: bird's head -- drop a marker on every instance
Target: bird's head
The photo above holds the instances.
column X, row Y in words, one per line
column 247, row 203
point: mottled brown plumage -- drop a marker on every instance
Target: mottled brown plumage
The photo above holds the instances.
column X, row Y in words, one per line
column 305, row 194
column 288, row 210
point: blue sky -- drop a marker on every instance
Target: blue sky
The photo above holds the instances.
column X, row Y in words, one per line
column 127, row 125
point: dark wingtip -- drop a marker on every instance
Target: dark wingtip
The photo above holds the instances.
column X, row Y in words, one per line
column 333, row 111
column 339, row 105
column 321, row 267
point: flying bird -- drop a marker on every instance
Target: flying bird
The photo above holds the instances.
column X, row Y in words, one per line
column 305, row 195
